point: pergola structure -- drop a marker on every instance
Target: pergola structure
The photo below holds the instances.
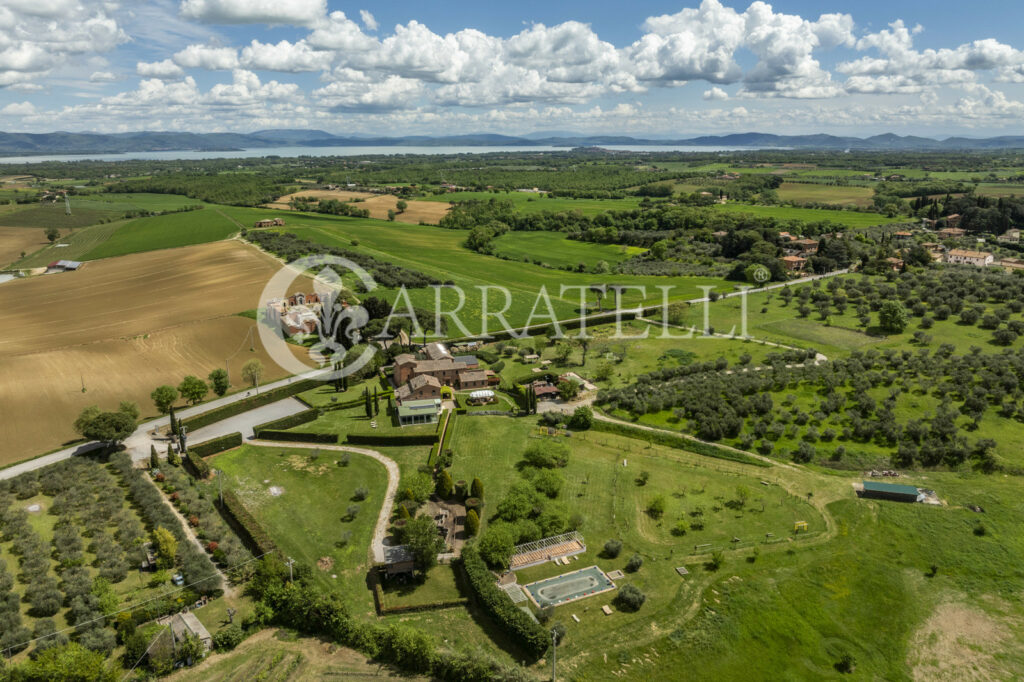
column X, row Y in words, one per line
column 547, row 549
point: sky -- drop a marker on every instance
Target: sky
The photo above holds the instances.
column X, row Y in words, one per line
column 655, row 69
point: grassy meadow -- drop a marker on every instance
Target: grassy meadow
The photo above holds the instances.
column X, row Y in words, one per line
column 529, row 202
column 308, row 518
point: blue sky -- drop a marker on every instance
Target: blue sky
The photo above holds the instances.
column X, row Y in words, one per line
column 643, row 68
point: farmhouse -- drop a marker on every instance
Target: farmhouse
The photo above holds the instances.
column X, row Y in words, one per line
column 545, row 390
column 419, row 412
column 419, row 387
column 269, row 222
column 1009, row 237
column 967, row 257
column 472, row 380
column 447, row 370
column 953, row 220
column 951, row 232
column 806, row 246
column 793, row 263
column 436, row 351
column 890, row 491
column 895, row 263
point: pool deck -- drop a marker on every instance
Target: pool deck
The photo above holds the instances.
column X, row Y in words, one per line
column 530, row 587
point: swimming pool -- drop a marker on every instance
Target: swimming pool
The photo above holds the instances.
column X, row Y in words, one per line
column 562, row 589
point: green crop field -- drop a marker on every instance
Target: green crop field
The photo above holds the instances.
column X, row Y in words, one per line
column 852, row 219
column 55, row 215
column 133, row 202
column 996, row 189
column 554, row 249
column 825, row 194
column 528, row 202
column 165, row 232
column 441, row 253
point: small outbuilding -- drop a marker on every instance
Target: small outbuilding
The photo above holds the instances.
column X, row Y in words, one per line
column 890, row 491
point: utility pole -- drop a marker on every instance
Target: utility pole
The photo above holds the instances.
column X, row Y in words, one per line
column 289, row 564
column 554, row 655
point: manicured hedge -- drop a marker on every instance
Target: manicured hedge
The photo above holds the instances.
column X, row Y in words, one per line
column 374, row 439
column 289, row 422
column 212, row 447
column 247, row 404
column 446, row 418
column 517, row 624
column 678, row 442
column 299, row 436
column 196, row 465
column 249, row 530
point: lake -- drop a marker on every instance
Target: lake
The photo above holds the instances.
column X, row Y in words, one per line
column 341, row 151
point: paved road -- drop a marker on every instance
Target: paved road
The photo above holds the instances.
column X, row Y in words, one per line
column 380, row 531
column 138, row 443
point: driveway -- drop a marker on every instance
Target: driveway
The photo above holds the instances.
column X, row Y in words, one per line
column 245, row 422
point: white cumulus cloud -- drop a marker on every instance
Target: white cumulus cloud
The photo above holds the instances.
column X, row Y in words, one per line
column 18, row 109
column 165, row 69
column 368, row 20
column 292, row 12
column 207, row 57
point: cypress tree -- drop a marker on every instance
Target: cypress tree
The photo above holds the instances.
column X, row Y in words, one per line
column 472, row 523
column 154, row 459
column 476, row 489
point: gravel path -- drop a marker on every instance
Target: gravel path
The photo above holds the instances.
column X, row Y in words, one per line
column 384, row 518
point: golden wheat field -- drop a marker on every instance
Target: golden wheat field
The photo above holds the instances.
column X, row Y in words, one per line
column 429, row 212
column 14, row 240
column 122, row 326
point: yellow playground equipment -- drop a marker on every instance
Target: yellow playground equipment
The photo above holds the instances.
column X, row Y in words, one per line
column 799, row 526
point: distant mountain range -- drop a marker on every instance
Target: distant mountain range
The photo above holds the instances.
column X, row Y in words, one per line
column 19, row 144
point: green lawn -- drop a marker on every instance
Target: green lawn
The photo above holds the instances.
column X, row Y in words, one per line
column 552, row 248
column 165, row 232
column 847, row 218
column 997, row 189
column 825, row 194
column 437, row 587
column 527, row 202
column 306, row 519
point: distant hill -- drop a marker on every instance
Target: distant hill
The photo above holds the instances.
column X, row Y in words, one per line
column 18, row 144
